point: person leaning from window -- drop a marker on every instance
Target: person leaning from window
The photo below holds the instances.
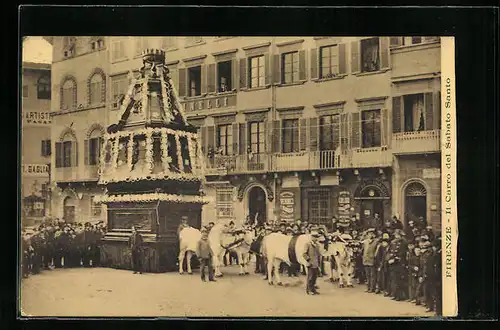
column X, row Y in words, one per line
column 135, row 243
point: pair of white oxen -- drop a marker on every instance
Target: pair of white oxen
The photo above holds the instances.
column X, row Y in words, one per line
column 274, row 248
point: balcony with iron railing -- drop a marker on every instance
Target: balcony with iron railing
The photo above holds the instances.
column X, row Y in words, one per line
column 290, row 161
column 416, row 142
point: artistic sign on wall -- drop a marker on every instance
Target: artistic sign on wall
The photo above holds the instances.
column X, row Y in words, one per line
column 287, row 206
column 37, row 118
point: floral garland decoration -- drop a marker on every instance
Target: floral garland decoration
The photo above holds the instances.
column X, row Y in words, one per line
column 201, row 159
column 192, row 158
column 154, row 130
column 176, row 100
column 145, row 93
column 181, row 177
column 116, row 141
column 164, row 151
column 152, row 197
column 180, row 163
column 149, row 150
column 167, row 105
column 130, row 152
column 102, row 156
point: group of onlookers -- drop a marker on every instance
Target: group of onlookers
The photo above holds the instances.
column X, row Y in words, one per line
column 57, row 244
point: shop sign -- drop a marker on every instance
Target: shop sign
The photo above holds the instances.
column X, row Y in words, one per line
column 35, row 170
column 37, row 118
column 344, row 206
column 287, row 205
column 431, row 173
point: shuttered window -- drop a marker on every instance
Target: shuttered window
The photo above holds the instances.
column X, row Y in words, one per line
column 290, row 67
column 68, row 95
column 95, row 89
column 329, row 60
column 46, row 149
column 257, row 71
column 414, row 112
column 119, row 86
column 225, row 139
column 118, row 50
column 224, row 202
column 224, row 76
column 43, row 88
column 290, row 132
column 329, row 132
column 256, row 137
column 94, row 150
column 67, row 148
column 194, row 75
column 371, row 128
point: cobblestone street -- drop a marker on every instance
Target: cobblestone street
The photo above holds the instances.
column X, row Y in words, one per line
column 110, row 292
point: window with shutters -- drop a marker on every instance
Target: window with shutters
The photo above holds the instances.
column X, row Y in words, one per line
column 141, row 43
column 256, row 133
column 370, row 55
column 96, row 44
column 290, row 67
column 371, row 128
column 43, row 88
column 46, row 149
column 95, row 208
column 319, row 206
column 257, row 71
column 414, row 112
column 194, row 75
column 119, row 85
column 68, row 95
column 290, row 133
column 329, row 132
column 95, row 89
column 25, row 90
column 67, row 152
column 224, row 202
column 94, row 150
column 225, row 139
column 329, row 61
column 224, row 74
column 118, row 50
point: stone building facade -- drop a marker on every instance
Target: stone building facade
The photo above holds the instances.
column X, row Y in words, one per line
column 290, row 127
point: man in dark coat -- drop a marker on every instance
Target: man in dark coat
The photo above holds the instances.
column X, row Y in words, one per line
column 397, row 265
column 135, row 244
column 437, row 280
column 312, row 255
column 396, row 224
column 205, row 255
column 380, row 264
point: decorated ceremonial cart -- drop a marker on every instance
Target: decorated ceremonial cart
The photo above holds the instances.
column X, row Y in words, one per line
column 151, row 167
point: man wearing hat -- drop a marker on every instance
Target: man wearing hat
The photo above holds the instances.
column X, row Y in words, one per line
column 413, row 264
column 205, row 255
column 135, row 243
column 397, row 265
column 423, row 287
column 311, row 255
column 380, row 265
column 368, row 260
column 437, row 283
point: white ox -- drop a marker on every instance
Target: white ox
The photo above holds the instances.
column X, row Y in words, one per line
column 222, row 242
column 344, row 263
column 188, row 242
column 275, row 250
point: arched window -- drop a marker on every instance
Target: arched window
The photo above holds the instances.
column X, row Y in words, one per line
column 415, row 203
column 95, row 89
column 67, row 151
column 43, row 88
column 68, row 94
column 93, row 146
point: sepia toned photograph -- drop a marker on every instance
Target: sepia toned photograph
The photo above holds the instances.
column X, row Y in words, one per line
column 225, row 176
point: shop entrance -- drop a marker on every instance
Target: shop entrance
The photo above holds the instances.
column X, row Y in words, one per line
column 415, row 202
column 372, row 203
column 257, row 204
column 69, row 209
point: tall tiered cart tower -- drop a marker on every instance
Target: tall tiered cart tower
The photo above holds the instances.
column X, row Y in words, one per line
column 151, row 167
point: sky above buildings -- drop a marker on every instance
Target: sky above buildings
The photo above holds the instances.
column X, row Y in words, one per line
column 37, row 50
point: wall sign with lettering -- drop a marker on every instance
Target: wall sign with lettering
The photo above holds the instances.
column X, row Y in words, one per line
column 39, row 170
column 287, row 206
column 36, row 117
column 344, row 206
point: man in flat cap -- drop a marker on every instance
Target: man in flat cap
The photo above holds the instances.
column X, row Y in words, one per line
column 205, row 255
column 135, row 244
column 397, row 265
column 311, row 255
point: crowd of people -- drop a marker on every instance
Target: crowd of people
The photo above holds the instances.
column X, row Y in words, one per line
column 60, row 244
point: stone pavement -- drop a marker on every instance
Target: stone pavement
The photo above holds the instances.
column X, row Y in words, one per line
column 111, row 292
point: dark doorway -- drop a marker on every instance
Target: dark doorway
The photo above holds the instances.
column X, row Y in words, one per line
column 369, row 207
column 415, row 202
column 257, row 205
